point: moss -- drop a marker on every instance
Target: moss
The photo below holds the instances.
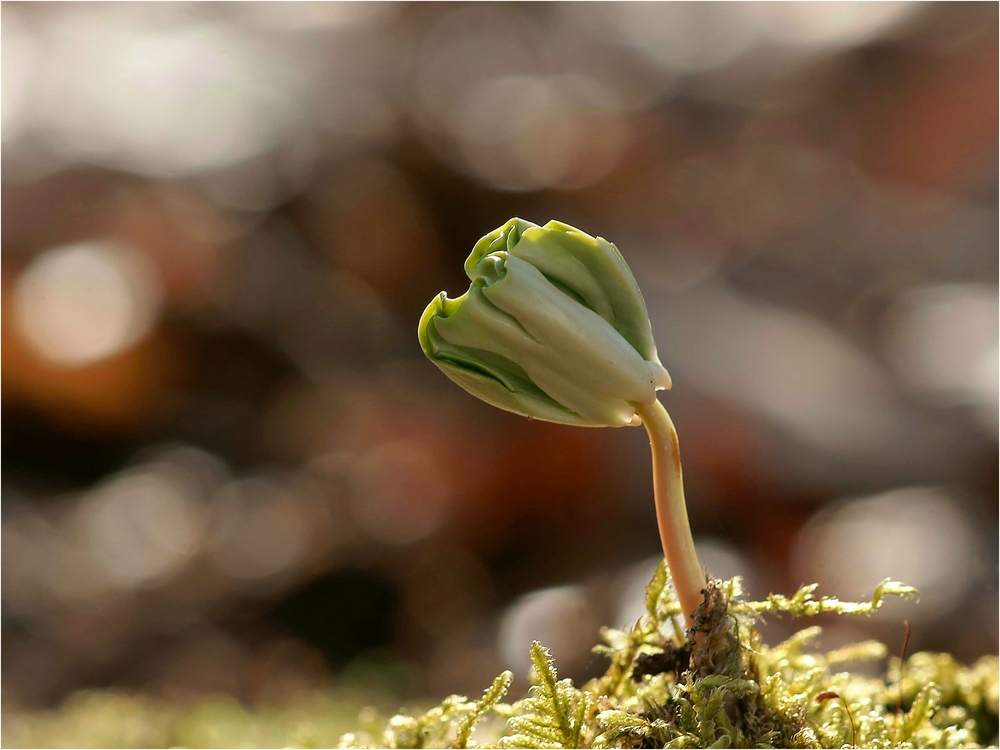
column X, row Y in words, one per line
column 719, row 686
column 716, row 686
column 110, row 718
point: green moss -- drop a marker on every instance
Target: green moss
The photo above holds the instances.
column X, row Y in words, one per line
column 720, row 686
column 716, row 686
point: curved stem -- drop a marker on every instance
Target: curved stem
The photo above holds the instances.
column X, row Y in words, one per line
column 671, row 512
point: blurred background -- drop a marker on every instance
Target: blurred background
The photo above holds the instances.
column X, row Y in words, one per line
column 227, row 467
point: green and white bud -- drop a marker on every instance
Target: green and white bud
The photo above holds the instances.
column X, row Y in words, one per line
column 553, row 327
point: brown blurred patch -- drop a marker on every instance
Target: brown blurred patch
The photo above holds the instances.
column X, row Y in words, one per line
column 373, row 225
column 179, row 231
column 284, row 668
column 210, row 662
column 547, row 472
column 933, row 130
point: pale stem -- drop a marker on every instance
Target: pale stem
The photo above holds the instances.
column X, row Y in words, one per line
column 671, row 512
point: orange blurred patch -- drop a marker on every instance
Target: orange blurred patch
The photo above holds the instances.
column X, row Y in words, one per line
column 126, row 391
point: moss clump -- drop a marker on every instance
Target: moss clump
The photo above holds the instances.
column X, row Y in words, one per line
column 719, row 686
column 715, row 686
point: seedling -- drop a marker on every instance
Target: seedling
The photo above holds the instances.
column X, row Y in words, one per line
column 554, row 327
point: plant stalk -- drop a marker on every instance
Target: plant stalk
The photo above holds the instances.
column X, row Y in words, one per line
column 671, row 512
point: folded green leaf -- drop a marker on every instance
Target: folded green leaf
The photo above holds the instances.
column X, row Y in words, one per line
column 553, row 327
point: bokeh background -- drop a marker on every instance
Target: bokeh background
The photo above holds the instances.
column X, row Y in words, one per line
column 227, row 468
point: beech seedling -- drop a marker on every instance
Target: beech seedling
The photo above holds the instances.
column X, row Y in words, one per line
column 554, row 327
